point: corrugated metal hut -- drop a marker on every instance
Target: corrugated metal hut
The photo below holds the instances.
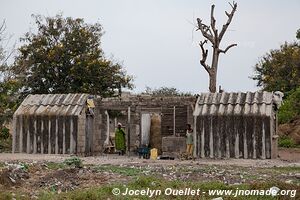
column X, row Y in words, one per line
column 237, row 125
column 54, row 124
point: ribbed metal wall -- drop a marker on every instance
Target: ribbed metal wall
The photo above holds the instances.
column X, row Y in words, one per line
column 233, row 137
column 45, row 134
column 234, row 125
column 48, row 124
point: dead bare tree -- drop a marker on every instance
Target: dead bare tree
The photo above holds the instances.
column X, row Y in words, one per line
column 211, row 34
column 5, row 52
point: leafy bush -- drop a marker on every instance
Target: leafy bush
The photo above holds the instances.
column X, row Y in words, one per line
column 4, row 134
column 5, row 140
column 290, row 108
column 286, row 142
column 74, row 161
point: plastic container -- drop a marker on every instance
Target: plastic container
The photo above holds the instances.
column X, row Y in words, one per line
column 153, row 153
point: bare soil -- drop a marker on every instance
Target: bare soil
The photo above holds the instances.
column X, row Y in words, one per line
column 37, row 174
column 291, row 129
column 290, row 155
column 286, row 157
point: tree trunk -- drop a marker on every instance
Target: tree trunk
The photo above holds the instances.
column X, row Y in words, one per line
column 213, row 71
column 213, row 81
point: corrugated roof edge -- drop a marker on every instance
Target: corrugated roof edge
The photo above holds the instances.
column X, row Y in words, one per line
column 250, row 103
column 241, row 98
column 62, row 101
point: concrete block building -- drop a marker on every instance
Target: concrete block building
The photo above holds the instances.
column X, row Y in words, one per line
column 226, row 125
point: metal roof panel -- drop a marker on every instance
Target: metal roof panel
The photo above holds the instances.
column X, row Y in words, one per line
column 52, row 104
column 250, row 103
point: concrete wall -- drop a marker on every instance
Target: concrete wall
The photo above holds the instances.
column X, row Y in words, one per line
column 173, row 145
column 97, row 147
column 81, row 135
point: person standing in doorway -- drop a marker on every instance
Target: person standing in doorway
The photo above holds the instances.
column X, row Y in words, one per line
column 120, row 139
column 189, row 140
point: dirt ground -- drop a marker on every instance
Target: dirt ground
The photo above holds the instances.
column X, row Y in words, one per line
column 32, row 173
column 292, row 155
column 291, row 129
column 286, row 157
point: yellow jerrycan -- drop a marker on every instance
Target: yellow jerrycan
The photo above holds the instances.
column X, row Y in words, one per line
column 153, row 154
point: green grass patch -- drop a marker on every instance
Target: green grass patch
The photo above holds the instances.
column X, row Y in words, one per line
column 285, row 169
column 69, row 162
column 154, row 183
column 286, row 142
column 2, row 165
column 5, row 195
column 55, row 166
column 126, row 171
column 74, row 161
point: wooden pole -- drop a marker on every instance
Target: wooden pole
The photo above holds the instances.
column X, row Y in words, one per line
column 49, row 135
column 34, row 136
column 263, row 150
column 174, row 123
column 14, row 134
column 42, row 136
column 56, row 135
column 211, row 141
column 128, row 132
column 64, row 135
column 202, row 141
column 254, row 140
column 71, row 137
column 21, row 135
column 195, row 153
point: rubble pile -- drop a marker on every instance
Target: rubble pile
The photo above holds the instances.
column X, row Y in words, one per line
column 61, row 180
column 13, row 174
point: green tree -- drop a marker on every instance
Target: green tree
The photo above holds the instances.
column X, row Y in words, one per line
column 291, row 107
column 65, row 56
column 279, row 69
column 165, row 91
column 9, row 99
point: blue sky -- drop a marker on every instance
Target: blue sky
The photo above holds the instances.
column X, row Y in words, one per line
column 156, row 40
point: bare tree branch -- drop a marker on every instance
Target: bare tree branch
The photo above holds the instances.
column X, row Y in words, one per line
column 232, row 5
column 205, row 30
column 204, row 56
column 2, row 27
column 5, row 54
column 230, row 16
column 213, row 21
column 211, row 34
column 227, row 14
column 227, row 48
